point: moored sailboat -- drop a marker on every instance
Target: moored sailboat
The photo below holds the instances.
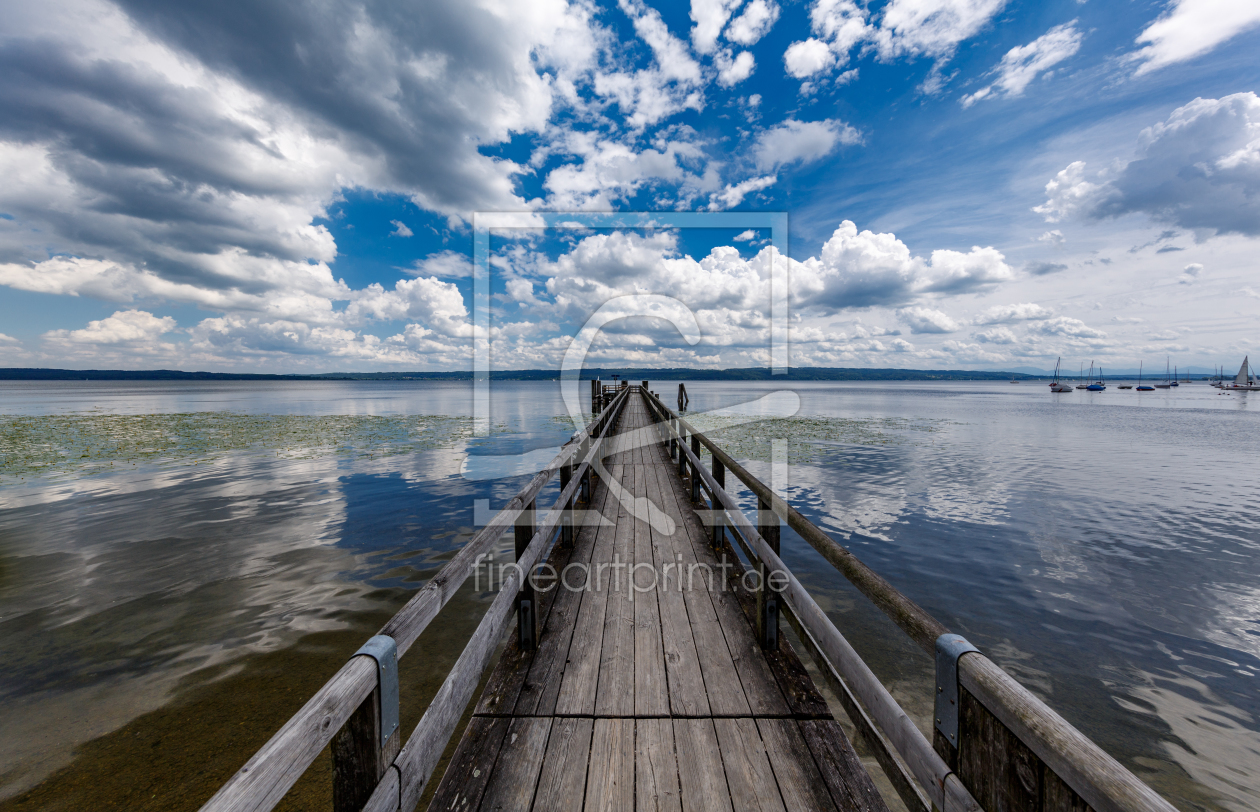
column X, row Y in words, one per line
column 1141, row 387
column 1057, row 385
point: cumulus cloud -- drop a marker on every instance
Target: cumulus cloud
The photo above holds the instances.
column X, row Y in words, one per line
column 927, row 320
column 862, row 269
column 745, row 236
column 709, row 17
column 1067, row 327
column 1191, row 28
column 998, row 335
column 755, row 22
column 733, row 71
column 1006, row 314
column 4, row 339
column 400, row 229
column 804, row 59
column 803, row 141
column 1199, row 170
column 1024, row 63
column 124, row 327
column 1054, row 237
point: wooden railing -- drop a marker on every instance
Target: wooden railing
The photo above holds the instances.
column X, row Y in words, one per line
column 1010, row 750
column 347, row 710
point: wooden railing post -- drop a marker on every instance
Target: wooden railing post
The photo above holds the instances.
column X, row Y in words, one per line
column 360, row 759
column 682, row 458
column 719, row 476
column 695, row 473
column 526, row 602
column 673, row 442
column 767, row 600
column 566, row 521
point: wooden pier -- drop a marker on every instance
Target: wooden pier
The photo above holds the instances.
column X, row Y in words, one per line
column 645, row 669
column 651, row 697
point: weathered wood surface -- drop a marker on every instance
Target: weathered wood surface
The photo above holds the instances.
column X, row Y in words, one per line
column 651, row 698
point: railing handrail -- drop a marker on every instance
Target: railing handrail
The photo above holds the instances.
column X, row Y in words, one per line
column 265, row 778
column 1100, row 780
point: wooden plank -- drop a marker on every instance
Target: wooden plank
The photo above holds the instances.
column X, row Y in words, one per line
column 655, row 767
column 722, row 683
column 542, row 684
column 563, row 780
column 468, row 772
column 516, row 771
column 651, row 688
column 580, row 681
column 610, row 775
column 848, row 782
column 616, row 687
column 800, row 782
column 701, row 777
column 682, row 664
column 748, row 774
column 795, row 684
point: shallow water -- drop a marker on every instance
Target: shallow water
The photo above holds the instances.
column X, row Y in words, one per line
column 158, row 623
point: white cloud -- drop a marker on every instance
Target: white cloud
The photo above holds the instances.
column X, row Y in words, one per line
column 124, row 327
column 733, row 71
column 1006, row 314
column 1024, row 63
column 927, row 320
column 734, row 194
column 449, row 264
column 803, row 141
column 4, row 339
column 1054, row 237
column 863, row 269
column 1068, row 327
column 1067, row 194
column 1191, row 28
column 745, row 236
column 1199, row 170
column 400, row 229
column 804, row 59
column 758, row 18
column 709, row 18
column 998, row 335
column 931, row 27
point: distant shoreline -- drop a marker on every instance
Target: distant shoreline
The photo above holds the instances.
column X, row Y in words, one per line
column 631, row 374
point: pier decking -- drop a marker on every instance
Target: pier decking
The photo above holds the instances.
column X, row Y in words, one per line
column 656, row 696
column 653, row 676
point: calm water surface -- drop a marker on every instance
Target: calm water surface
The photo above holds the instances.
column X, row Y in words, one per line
column 158, row 624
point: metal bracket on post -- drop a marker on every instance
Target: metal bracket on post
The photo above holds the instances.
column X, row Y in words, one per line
column 384, row 650
column 949, row 648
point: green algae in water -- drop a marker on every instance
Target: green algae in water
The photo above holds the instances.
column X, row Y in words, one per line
column 86, row 444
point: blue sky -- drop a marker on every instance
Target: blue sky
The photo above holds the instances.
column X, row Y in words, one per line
column 289, row 186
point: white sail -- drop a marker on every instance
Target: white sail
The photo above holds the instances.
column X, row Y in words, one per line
column 1241, row 378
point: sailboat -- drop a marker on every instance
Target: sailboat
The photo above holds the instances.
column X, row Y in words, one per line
column 1167, row 384
column 1243, row 380
column 1098, row 385
column 1173, row 382
column 1057, row 385
column 1141, row 386
column 1082, row 384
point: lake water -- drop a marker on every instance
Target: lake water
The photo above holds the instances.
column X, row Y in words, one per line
column 161, row 615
